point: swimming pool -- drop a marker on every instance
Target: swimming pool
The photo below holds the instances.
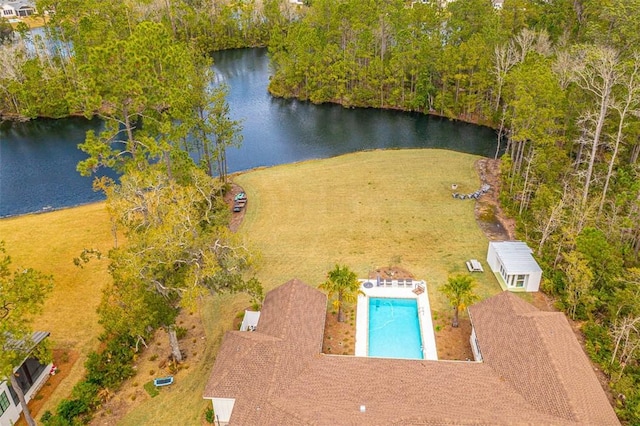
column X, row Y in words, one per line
column 394, row 328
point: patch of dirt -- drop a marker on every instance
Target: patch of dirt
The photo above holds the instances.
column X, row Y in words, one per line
column 63, row 359
column 236, row 217
column 151, row 363
column 489, row 215
column 391, row 273
column 452, row 343
column 340, row 337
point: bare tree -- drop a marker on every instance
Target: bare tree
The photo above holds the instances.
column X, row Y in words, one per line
column 629, row 103
column 524, row 42
column 562, row 68
column 552, row 222
column 504, row 58
column 626, row 335
column 12, row 58
column 595, row 71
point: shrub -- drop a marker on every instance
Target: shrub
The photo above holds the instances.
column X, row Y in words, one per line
column 52, row 420
column 109, row 368
column 70, row 409
column 597, row 342
column 209, row 415
column 46, row 416
column 181, row 332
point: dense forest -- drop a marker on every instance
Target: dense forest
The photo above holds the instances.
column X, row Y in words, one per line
column 559, row 79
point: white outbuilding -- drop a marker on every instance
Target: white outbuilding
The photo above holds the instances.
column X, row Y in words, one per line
column 514, row 266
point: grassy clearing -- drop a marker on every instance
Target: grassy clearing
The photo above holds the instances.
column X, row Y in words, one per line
column 365, row 210
column 49, row 242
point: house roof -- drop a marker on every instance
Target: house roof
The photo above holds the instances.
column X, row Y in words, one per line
column 26, row 345
column 277, row 374
column 516, row 257
column 538, row 354
column 287, row 338
column 17, row 4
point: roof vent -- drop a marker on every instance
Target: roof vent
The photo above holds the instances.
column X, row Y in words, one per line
column 363, row 408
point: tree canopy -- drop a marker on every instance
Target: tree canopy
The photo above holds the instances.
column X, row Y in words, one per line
column 343, row 287
column 22, row 295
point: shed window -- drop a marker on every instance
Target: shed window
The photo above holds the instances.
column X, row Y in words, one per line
column 503, row 272
column 520, row 280
column 4, row 403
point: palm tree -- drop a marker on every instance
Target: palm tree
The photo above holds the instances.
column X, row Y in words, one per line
column 459, row 290
column 343, row 283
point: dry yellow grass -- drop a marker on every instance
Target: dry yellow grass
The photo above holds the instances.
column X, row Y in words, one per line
column 48, row 242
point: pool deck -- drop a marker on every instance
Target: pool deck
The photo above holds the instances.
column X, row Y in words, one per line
column 429, row 350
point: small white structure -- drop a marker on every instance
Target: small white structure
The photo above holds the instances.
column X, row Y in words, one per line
column 31, row 375
column 513, row 264
column 250, row 320
column 17, row 8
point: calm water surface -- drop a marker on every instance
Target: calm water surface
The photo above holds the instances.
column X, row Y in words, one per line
column 38, row 158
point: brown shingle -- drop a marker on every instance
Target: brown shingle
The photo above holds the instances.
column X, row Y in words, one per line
column 537, row 353
column 534, row 373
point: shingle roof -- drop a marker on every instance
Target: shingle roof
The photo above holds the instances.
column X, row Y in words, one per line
column 251, row 366
column 277, row 374
column 538, row 354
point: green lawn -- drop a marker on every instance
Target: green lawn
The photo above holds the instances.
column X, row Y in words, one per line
column 365, row 210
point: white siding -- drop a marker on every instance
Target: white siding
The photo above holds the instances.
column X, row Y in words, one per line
column 474, row 346
column 12, row 413
column 222, row 409
column 492, row 258
column 250, row 320
column 511, row 259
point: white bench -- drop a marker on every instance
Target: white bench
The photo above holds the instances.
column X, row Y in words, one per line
column 474, row 266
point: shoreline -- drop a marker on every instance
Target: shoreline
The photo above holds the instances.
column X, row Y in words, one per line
column 431, row 113
column 49, row 209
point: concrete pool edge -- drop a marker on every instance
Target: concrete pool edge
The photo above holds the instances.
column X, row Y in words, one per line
column 429, row 350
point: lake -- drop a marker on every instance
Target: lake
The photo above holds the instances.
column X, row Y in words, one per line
column 38, row 158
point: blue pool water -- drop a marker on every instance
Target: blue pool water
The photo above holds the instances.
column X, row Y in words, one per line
column 394, row 328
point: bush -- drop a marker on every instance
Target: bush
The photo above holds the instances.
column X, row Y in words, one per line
column 46, row 416
column 181, row 332
column 87, row 392
column 52, row 420
column 109, row 368
column 70, row 409
column 209, row 416
column 597, row 342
